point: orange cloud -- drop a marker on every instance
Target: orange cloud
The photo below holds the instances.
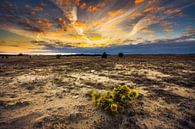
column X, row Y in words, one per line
column 79, row 24
column 44, row 23
column 83, row 5
column 168, row 30
column 97, row 7
column 36, row 9
column 151, row 1
column 166, row 23
column 92, row 8
column 60, row 20
column 173, row 11
column 68, row 2
column 139, row 1
column 116, row 12
column 152, row 9
column 4, row 25
column 147, row 31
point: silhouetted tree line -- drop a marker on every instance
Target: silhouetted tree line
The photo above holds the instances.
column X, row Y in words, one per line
column 103, row 55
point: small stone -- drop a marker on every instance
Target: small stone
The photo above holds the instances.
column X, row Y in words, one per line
column 92, row 71
column 75, row 97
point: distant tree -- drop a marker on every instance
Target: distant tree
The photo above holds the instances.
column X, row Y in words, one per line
column 2, row 57
column 58, row 56
column 30, row 57
column 6, row 57
column 20, row 54
column 120, row 55
column 104, row 55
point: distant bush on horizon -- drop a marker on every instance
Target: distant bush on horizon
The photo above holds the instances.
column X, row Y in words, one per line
column 120, row 54
column 58, row 56
column 104, row 55
column 20, row 54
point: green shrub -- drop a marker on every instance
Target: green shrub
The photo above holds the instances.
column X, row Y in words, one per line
column 116, row 101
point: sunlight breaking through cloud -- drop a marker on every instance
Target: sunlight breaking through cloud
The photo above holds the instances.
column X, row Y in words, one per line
column 99, row 23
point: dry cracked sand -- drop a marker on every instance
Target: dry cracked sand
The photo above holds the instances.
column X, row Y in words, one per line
column 49, row 93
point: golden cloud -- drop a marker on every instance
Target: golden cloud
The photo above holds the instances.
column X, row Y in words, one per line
column 152, row 9
column 44, row 23
column 115, row 13
column 19, row 47
column 147, row 31
column 168, row 30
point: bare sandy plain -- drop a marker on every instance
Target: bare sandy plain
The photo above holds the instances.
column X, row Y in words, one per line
column 49, row 93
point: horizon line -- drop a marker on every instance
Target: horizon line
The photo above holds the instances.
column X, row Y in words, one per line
column 72, row 54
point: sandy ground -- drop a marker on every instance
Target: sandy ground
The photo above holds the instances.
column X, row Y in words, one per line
column 49, row 93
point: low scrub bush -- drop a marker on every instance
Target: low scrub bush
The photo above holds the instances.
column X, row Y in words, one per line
column 116, row 101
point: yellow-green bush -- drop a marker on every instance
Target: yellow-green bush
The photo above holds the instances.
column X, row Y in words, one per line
column 116, row 101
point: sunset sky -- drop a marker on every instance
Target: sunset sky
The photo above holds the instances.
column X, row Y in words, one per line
column 94, row 26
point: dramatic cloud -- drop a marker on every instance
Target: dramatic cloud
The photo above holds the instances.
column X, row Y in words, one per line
column 97, row 23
